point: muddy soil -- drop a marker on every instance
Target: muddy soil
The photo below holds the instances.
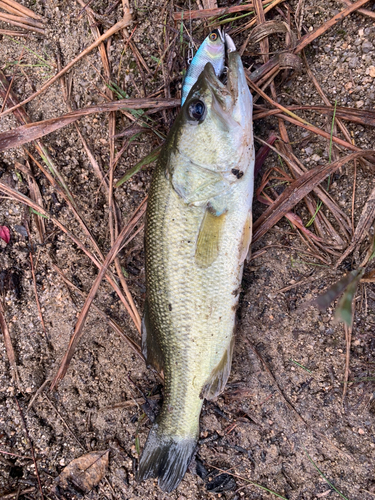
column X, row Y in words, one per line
column 277, row 431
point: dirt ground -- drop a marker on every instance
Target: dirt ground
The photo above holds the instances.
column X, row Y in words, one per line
column 276, row 432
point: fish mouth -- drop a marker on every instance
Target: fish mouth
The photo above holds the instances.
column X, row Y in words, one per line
column 233, row 95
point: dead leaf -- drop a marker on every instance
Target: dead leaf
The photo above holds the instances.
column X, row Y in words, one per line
column 83, row 473
column 5, row 234
column 32, row 131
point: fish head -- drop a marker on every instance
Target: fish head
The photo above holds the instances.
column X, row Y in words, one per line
column 215, row 123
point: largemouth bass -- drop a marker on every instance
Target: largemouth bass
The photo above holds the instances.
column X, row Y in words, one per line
column 211, row 50
column 198, row 232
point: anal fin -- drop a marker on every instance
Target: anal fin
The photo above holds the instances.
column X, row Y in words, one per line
column 208, row 240
column 150, row 344
column 219, row 376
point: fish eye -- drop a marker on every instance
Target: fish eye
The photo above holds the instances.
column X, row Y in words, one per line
column 197, row 110
column 213, row 36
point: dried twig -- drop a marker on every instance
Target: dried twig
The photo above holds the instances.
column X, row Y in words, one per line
column 296, row 191
column 310, row 37
column 365, row 12
column 31, row 447
column 135, row 347
column 17, row 8
column 84, row 312
column 9, row 347
column 30, row 132
column 220, row 11
column 362, row 230
column 118, row 26
column 27, row 201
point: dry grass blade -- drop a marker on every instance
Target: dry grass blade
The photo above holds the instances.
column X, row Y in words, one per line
column 32, row 131
column 310, row 37
column 31, row 447
column 36, row 196
column 362, row 230
column 24, row 199
column 135, row 347
column 9, row 347
column 298, row 190
column 334, row 291
column 365, row 12
column 362, row 117
column 23, row 22
column 220, row 11
column 114, row 214
column 85, row 310
column 118, row 26
column 13, row 33
column 17, row 8
column 320, row 132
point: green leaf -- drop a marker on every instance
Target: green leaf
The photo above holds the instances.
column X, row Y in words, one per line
column 324, row 300
column 137, row 167
column 137, row 446
column 38, row 213
column 344, row 309
column 323, row 476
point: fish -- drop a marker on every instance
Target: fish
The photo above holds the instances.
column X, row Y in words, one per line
column 211, row 50
column 197, row 235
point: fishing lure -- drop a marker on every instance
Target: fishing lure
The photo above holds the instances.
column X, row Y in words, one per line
column 212, row 50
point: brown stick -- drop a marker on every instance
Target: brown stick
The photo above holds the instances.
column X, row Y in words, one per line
column 32, row 448
column 24, row 10
column 9, row 347
column 85, row 310
column 118, row 26
column 307, row 39
column 30, row 132
column 22, row 25
column 365, row 12
column 21, row 19
column 298, row 190
column 13, row 33
column 110, row 321
column 186, row 15
column 27, row 201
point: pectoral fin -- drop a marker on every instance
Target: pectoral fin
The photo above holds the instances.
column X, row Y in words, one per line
column 150, row 345
column 208, row 240
column 246, row 237
column 218, row 378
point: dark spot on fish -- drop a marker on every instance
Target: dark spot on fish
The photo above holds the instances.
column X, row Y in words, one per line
column 170, row 307
column 236, row 172
column 234, row 308
column 235, row 292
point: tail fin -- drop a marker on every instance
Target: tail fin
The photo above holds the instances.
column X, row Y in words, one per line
column 167, row 458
